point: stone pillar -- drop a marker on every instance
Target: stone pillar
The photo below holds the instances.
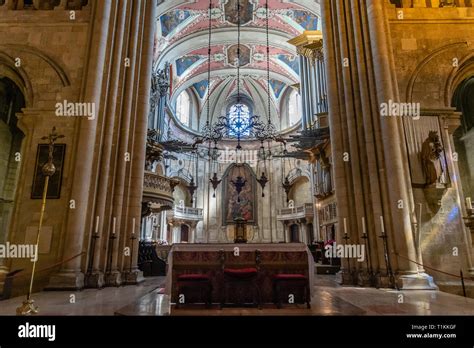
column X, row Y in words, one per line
column 146, row 20
column 109, row 178
column 105, row 175
column 71, row 275
column 369, row 154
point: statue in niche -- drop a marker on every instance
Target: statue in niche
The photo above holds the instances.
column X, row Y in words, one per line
column 324, row 180
column 326, row 173
column 431, row 159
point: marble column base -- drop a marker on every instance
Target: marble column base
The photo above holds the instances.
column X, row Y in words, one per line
column 343, row 277
column 95, row 280
column 132, row 278
column 113, row 278
column 367, row 280
column 420, row 281
column 66, row 280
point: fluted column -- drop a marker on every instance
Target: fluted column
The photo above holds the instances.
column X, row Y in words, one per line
column 370, row 158
column 79, row 220
column 105, row 165
column 139, row 121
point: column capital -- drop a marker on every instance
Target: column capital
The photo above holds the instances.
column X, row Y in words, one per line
column 309, row 44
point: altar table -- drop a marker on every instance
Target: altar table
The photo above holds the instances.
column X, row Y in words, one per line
column 291, row 258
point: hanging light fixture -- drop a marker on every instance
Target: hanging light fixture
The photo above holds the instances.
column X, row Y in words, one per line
column 215, row 182
column 266, row 132
column 192, row 187
column 287, row 186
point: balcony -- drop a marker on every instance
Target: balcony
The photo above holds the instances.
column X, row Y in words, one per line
column 303, row 212
column 187, row 214
column 158, row 189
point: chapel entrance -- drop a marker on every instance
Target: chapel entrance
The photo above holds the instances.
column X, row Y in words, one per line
column 11, row 137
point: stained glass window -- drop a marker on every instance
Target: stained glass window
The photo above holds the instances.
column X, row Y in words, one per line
column 239, row 121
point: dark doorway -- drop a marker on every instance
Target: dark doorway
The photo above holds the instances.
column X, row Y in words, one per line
column 310, row 233
column 294, row 233
column 11, row 137
column 184, row 234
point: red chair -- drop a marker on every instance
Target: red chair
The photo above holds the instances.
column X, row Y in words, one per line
column 285, row 284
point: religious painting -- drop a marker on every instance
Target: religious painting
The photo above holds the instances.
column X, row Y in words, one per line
column 246, row 11
column 201, row 88
column 184, row 63
column 241, row 205
column 307, row 20
column 171, row 20
column 291, row 61
column 55, row 182
column 277, row 87
column 233, row 55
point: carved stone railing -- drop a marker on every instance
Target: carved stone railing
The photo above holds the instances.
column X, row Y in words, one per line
column 188, row 214
column 303, row 212
column 158, row 187
column 44, row 5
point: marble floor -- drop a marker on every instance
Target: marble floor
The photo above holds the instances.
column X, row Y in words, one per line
column 332, row 299
column 329, row 299
column 102, row 302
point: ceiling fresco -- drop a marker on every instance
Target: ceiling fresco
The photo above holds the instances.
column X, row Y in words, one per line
column 182, row 40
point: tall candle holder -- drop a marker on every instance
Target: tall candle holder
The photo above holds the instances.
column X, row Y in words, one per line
column 351, row 272
column 90, row 266
column 372, row 278
column 133, row 238
column 112, row 239
column 49, row 169
column 388, row 264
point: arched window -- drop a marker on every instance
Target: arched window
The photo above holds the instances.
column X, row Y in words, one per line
column 239, row 120
column 183, row 108
column 294, row 108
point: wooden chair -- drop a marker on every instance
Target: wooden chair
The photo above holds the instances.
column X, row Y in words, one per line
column 189, row 284
column 283, row 284
column 241, row 279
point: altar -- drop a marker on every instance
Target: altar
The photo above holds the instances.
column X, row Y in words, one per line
column 206, row 259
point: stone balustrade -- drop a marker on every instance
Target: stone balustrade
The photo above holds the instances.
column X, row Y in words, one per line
column 304, row 211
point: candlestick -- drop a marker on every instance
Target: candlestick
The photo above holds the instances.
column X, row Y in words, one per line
column 133, row 226
column 345, row 226
column 113, row 226
column 468, row 203
column 382, row 225
column 97, row 225
column 363, row 226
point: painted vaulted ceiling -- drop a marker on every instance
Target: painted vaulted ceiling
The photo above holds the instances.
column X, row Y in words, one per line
column 182, row 40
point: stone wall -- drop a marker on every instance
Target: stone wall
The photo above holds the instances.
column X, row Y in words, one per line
column 432, row 53
column 46, row 52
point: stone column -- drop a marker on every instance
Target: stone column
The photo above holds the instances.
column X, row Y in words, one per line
column 146, row 18
column 370, row 159
column 71, row 275
column 105, row 173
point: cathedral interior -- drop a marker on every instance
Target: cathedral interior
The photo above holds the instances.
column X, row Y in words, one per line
column 305, row 157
